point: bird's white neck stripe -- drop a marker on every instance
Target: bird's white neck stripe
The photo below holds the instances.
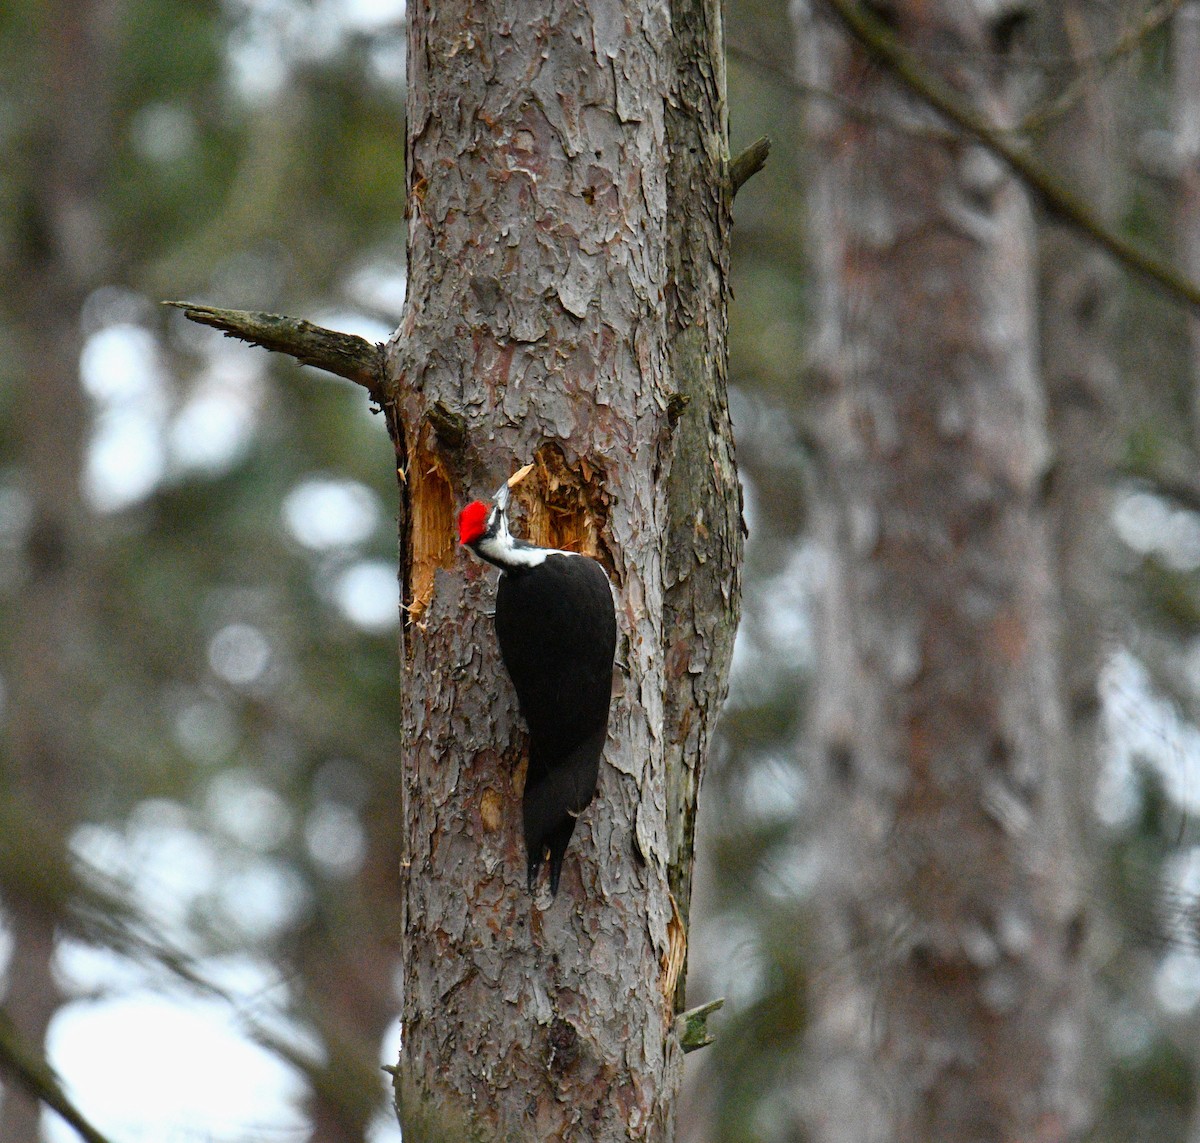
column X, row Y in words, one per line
column 508, row 555
column 502, row 550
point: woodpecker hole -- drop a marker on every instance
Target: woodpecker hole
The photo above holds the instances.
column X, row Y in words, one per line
column 566, row 506
column 431, row 508
column 672, row 961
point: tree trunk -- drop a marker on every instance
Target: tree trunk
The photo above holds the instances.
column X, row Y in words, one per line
column 59, row 258
column 548, row 309
column 1080, row 295
column 703, row 558
column 947, row 1004
column 1080, row 291
column 346, row 963
column 1185, row 53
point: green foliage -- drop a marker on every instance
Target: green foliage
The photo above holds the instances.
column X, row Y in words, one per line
column 1172, row 597
column 1151, row 1096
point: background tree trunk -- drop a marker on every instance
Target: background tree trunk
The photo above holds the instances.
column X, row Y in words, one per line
column 43, row 767
column 544, row 315
column 1080, row 292
column 948, row 1004
column 1185, row 45
column 1080, row 298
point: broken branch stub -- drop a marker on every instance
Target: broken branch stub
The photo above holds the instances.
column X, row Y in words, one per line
column 343, row 354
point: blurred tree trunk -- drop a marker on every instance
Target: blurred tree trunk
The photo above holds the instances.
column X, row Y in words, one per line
column 1079, row 294
column 59, row 256
column 1185, row 70
column 1185, row 73
column 948, row 1003
column 567, row 284
column 346, row 960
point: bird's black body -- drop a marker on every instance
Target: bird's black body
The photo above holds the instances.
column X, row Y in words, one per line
column 558, row 634
column 557, row 629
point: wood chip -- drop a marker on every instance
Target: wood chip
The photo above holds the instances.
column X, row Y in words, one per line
column 519, row 475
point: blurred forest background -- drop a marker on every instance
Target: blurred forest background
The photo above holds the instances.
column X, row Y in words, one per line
column 198, row 834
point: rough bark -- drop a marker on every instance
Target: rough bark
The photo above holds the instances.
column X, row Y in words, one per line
column 538, row 327
column 947, row 1004
column 59, row 257
column 702, row 573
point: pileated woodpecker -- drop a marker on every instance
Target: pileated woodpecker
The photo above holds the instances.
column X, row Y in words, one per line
column 557, row 629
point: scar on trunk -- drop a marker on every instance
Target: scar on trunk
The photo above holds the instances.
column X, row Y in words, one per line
column 431, row 507
column 673, row 958
column 566, row 506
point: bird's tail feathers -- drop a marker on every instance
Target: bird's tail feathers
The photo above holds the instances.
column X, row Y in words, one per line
column 554, row 797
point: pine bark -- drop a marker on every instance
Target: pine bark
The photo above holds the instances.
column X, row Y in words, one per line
column 948, row 1002
column 549, row 304
column 703, row 556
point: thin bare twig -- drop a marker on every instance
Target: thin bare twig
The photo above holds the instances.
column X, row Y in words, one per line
column 36, row 1076
column 786, row 79
column 1089, row 65
column 878, row 40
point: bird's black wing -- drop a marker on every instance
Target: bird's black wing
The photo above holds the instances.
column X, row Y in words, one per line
column 557, row 629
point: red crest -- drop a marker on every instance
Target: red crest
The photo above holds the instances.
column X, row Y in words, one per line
column 472, row 522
